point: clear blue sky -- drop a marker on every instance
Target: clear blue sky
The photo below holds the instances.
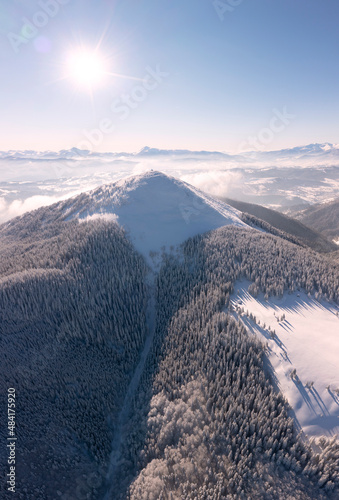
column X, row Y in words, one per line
column 225, row 77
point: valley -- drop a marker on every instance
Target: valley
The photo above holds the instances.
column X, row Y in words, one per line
column 116, row 328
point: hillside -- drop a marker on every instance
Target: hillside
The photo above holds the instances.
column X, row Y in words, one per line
column 308, row 236
column 156, row 211
column 307, row 375
column 134, row 380
column 323, row 218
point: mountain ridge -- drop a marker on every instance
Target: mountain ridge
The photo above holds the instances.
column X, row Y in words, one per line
column 321, row 149
column 322, row 217
column 311, row 237
column 156, row 210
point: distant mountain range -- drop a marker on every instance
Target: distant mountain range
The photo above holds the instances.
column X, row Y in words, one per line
column 312, row 154
column 281, row 180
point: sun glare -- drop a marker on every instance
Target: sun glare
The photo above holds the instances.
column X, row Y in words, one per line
column 86, row 68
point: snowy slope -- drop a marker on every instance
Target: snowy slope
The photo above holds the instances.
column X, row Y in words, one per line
column 306, row 340
column 157, row 211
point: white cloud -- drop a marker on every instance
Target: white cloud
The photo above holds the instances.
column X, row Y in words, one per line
column 108, row 217
column 19, row 207
column 215, row 182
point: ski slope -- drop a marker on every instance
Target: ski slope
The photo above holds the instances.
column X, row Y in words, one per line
column 306, row 340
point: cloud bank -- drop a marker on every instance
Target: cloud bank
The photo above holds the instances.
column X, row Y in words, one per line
column 277, row 179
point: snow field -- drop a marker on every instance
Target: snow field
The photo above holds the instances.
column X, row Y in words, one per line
column 302, row 337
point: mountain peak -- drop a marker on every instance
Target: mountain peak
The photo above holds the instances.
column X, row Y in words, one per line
column 155, row 209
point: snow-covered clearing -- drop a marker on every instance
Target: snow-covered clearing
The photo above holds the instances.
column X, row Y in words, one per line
column 305, row 340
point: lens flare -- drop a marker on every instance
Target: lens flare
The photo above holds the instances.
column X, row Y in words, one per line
column 86, row 68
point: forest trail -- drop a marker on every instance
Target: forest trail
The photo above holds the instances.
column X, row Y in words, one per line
column 121, row 429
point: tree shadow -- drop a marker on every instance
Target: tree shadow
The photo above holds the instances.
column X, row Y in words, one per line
column 252, row 326
column 319, row 400
column 334, row 396
column 270, row 372
column 287, row 327
column 304, row 394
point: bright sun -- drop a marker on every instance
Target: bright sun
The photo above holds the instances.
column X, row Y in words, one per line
column 86, row 68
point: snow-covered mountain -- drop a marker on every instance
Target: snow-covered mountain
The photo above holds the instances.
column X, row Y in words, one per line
column 144, row 380
column 311, row 152
column 156, row 210
column 324, row 151
column 280, row 180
